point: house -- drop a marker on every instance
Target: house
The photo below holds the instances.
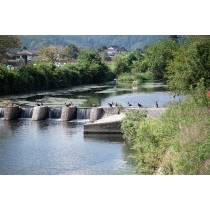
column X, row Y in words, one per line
column 21, row 55
column 114, row 50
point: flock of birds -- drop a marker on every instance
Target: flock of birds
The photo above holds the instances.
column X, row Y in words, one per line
column 129, row 104
column 40, row 103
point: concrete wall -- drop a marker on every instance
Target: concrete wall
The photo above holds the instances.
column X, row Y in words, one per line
column 108, row 128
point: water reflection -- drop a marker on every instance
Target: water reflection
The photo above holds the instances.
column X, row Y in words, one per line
column 56, row 147
column 104, row 137
column 85, row 96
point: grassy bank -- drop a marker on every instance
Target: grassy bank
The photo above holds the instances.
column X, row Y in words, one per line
column 140, row 77
column 177, row 143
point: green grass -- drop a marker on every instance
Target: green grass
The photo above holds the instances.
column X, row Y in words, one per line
column 140, row 77
column 177, row 143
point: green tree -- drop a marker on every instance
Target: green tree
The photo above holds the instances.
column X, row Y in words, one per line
column 191, row 63
column 158, row 55
column 91, row 68
column 123, row 63
column 174, row 38
column 71, row 51
column 7, row 42
column 50, row 53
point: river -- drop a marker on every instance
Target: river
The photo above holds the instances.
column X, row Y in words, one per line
column 55, row 147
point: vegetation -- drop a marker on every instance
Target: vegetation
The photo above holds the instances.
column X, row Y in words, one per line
column 191, row 63
column 7, row 42
column 87, row 41
column 50, row 53
column 178, row 142
column 43, row 76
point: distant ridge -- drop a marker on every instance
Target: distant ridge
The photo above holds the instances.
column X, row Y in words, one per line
column 130, row 42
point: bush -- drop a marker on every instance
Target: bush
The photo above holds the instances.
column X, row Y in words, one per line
column 44, row 76
column 177, row 143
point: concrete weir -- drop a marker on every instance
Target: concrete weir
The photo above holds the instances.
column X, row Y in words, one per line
column 11, row 112
column 69, row 113
column 111, row 122
column 40, row 113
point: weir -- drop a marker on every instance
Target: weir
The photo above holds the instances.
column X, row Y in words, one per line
column 1, row 112
column 83, row 113
column 26, row 112
column 55, row 113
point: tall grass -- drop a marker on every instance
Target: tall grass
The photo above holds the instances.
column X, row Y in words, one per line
column 140, row 77
column 177, row 143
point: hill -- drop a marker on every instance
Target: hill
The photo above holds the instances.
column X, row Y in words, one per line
column 130, row 42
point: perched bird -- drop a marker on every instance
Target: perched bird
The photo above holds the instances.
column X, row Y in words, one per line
column 42, row 103
column 139, row 105
column 37, row 103
column 110, row 104
column 129, row 104
column 116, row 104
column 67, row 105
column 156, row 104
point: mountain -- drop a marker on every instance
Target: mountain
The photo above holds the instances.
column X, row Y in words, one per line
column 130, row 42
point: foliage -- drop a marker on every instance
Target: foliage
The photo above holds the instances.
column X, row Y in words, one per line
column 140, row 77
column 178, row 142
column 157, row 57
column 191, row 63
column 123, row 63
column 130, row 124
column 50, row 53
column 7, row 42
column 44, row 76
column 130, row 42
column 71, row 52
column 92, row 69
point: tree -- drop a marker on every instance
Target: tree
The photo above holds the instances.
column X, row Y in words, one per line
column 123, row 63
column 158, row 55
column 50, row 53
column 91, row 68
column 191, row 63
column 71, row 51
column 174, row 38
column 7, row 42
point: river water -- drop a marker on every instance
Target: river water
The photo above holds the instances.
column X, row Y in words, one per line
column 55, row 147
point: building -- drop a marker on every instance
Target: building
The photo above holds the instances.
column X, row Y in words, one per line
column 114, row 50
column 24, row 55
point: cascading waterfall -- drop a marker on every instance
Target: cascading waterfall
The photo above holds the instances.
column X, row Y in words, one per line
column 26, row 112
column 1, row 112
column 55, row 113
column 83, row 113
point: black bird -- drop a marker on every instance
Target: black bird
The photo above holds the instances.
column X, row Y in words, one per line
column 116, row 104
column 110, row 104
column 156, row 104
column 67, row 105
column 129, row 104
column 41, row 103
column 139, row 105
column 37, row 103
